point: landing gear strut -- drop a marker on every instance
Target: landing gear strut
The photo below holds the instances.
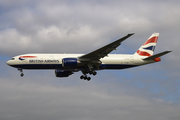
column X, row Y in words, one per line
column 21, row 70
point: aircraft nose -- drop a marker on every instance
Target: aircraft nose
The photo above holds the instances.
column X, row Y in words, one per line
column 8, row 62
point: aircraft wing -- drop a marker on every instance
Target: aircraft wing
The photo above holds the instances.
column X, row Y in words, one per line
column 103, row 51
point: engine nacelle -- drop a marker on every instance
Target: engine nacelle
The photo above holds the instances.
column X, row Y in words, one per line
column 69, row 62
column 62, row 73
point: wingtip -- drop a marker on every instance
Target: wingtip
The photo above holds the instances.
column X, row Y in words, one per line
column 131, row 33
column 169, row 51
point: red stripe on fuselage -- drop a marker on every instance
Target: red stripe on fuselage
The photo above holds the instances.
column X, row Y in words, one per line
column 151, row 40
column 143, row 53
column 28, row 57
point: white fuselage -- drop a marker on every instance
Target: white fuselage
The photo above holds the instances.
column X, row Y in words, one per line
column 54, row 61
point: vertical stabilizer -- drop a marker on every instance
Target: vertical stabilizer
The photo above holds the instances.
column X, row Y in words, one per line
column 147, row 49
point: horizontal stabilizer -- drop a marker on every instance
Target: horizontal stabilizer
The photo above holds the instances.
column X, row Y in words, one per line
column 157, row 55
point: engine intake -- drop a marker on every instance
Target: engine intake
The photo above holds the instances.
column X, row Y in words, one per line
column 62, row 73
column 69, row 62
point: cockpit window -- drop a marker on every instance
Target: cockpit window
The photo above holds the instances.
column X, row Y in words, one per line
column 12, row 58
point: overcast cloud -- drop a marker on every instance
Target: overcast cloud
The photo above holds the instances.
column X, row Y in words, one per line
column 58, row 26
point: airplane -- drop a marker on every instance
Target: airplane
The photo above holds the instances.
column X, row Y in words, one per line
column 100, row 59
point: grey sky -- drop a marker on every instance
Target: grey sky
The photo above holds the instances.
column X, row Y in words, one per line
column 55, row 26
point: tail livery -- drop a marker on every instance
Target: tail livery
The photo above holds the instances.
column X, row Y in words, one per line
column 147, row 49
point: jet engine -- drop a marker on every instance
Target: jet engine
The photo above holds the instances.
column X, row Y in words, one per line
column 69, row 62
column 62, row 73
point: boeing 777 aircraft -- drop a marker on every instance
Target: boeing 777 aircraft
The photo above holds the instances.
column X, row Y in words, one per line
column 100, row 59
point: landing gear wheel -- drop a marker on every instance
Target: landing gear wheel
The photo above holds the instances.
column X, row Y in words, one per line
column 94, row 73
column 22, row 74
column 82, row 77
column 88, row 78
column 85, row 78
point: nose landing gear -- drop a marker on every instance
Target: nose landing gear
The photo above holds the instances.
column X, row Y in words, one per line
column 21, row 70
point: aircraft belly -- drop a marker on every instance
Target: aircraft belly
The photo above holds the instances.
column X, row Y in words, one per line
column 38, row 66
column 116, row 66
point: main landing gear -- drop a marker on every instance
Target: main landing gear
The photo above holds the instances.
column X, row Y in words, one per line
column 21, row 70
column 85, row 77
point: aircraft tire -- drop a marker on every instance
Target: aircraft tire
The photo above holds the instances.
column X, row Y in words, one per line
column 88, row 78
column 94, row 73
column 82, row 77
column 22, row 74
